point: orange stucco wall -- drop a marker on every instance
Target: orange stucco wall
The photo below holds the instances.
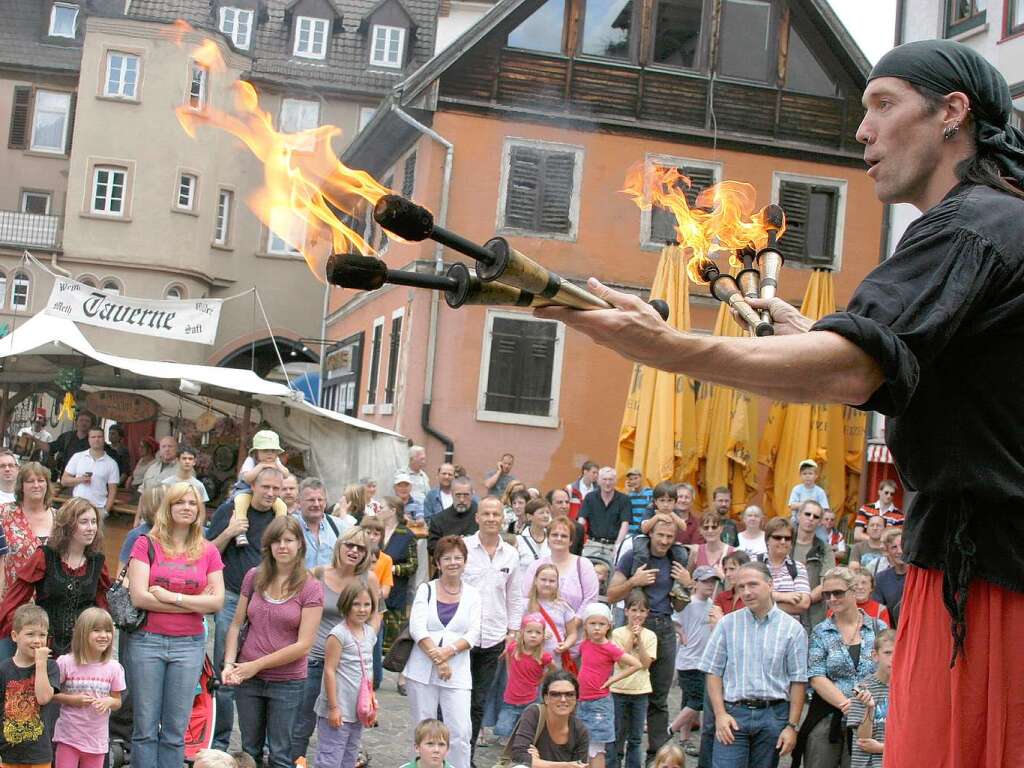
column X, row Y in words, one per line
column 593, row 380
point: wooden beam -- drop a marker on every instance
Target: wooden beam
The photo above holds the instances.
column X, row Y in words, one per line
column 243, row 438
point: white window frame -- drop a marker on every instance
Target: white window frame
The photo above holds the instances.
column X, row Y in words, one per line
column 222, row 216
column 64, row 128
column 204, row 83
column 372, row 407
column 20, row 279
column 840, row 185
column 74, row 19
column 179, row 288
column 235, row 24
column 297, row 110
column 380, row 55
column 3, row 289
column 574, row 199
column 365, row 116
column 120, row 92
column 652, row 160
column 118, row 288
column 386, row 407
column 310, row 51
column 26, row 193
column 552, row 420
column 286, row 249
column 188, row 183
column 108, row 198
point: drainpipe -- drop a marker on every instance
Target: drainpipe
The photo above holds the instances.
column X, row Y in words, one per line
column 435, row 300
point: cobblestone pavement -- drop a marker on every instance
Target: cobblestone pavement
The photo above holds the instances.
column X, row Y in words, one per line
column 389, row 745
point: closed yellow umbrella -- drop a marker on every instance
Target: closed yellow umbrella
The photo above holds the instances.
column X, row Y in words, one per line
column 658, row 432
column 726, row 432
column 828, row 434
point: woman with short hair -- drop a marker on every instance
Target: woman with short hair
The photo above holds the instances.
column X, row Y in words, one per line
column 445, row 625
column 577, row 580
column 550, row 731
column 839, row 655
column 713, row 549
column 532, row 543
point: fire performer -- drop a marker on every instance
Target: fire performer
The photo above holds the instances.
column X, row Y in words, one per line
column 931, row 339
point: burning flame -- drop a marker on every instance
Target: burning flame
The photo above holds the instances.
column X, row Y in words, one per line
column 304, row 183
column 728, row 224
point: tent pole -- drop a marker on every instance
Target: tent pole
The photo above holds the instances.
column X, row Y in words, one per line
column 3, row 416
column 243, row 438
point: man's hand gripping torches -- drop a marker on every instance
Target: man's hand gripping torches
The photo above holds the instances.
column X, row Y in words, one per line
column 769, row 259
column 496, row 261
column 724, row 288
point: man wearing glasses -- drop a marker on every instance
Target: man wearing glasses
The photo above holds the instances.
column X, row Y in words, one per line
column 816, row 556
column 791, row 589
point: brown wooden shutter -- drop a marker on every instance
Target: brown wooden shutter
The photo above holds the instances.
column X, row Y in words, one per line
column 663, row 222
column 71, row 123
column 409, row 176
column 21, row 114
column 521, row 194
column 520, row 367
column 795, row 200
column 394, row 347
column 556, row 192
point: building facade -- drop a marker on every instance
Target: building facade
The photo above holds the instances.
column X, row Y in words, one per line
column 526, row 127
column 101, row 183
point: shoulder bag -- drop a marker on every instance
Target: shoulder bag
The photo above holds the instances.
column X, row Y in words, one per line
column 505, row 761
column 366, row 703
column 126, row 616
column 401, row 648
column 568, row 664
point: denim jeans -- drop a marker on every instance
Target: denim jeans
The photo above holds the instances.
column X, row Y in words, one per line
column 7, row 648
column 164, row 671
column 707, row 733
column 663, row 672
column 266, row 715
column 754, row 743
column 630, row 716
column 378, row 659
column 496, row 696
column 305, row 718
column 226, row 693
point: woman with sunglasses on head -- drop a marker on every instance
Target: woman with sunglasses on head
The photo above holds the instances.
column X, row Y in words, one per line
column 840, row 654
column 351, row 564
column 549, row 734
column 711, row 552
column 577, row 580
column 791, row 589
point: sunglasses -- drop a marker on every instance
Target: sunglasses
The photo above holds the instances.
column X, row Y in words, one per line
column 350, row 545
column 812, row 515
column 834, row 594
column 710, row 527
column 563, row 695
column 777, row 537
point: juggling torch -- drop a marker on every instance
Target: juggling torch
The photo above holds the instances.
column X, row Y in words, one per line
column 769, row 259
column 496, row 260
column 748, row 278
column 724, row 288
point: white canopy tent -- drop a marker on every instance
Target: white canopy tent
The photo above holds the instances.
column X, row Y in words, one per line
column 338, row 448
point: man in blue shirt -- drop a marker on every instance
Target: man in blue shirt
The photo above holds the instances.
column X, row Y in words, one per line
column 440, row 498
column 320, row 530
column 756, row 660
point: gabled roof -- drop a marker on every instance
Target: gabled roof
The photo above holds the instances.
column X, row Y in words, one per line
column 820, row 11
column 346, row 68
column 332, row 6
column 24, row 45
column 398, row 3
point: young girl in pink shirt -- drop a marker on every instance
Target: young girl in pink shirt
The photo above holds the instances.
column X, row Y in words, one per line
column 527, row 662
column 91, row 683
column 598, row 656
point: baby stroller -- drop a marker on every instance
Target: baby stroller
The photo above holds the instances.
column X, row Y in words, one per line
column 198, row 732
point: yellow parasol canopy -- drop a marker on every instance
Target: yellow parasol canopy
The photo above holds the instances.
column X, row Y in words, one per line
column 831, row 435
column 727, row 432
column 658, row 433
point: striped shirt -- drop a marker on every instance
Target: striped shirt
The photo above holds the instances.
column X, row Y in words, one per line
column 782, row 578
column 757, row 658
column 640, row 504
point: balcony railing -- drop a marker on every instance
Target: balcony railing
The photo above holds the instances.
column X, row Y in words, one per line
column 30, row 229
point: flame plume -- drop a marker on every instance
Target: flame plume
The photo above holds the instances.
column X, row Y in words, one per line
column 723, row 219
column 305, row 185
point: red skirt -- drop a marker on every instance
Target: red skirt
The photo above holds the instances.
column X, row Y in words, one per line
column 970, row 716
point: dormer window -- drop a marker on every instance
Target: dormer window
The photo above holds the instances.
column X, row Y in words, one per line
column 63, row 20
column 311, row 37
column 388, row 45
column 236, row 23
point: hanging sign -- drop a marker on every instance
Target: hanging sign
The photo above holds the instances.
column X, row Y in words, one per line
column 122, row 407
column 193, row 320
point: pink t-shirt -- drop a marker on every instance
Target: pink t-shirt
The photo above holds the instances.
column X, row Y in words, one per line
column 597, row 660
column 178, row 574
column 84, row 728
column 272, row 626
column 524, row 676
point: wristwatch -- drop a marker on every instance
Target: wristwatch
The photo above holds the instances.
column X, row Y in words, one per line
column 794, row 726
column 177, row 599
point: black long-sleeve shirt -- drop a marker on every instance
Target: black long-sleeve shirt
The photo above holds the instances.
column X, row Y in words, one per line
column 944, row 318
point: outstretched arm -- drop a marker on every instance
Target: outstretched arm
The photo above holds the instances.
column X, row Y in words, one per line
column 793, row 365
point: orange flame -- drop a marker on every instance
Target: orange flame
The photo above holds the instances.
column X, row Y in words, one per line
column 723, row 219
column 304, row 183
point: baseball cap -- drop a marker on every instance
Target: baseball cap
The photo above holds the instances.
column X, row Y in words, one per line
column 401, row 477
column 634, row 471
column 808, row 463
column 40, row 413
column 704, row 573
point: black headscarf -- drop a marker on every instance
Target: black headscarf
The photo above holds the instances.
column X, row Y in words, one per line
column 944, row 67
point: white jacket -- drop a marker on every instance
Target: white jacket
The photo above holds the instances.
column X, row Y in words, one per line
column 423, row 622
